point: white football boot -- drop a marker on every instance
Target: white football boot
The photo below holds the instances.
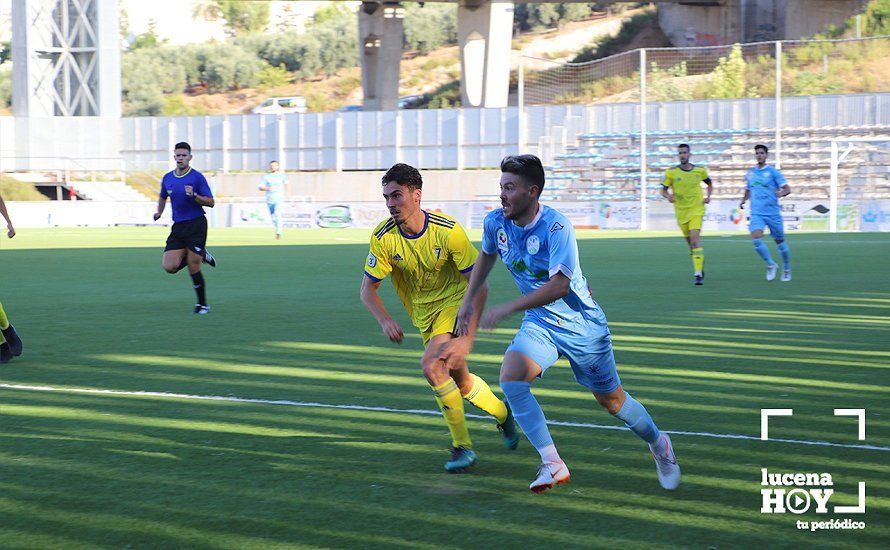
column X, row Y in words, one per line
column 786, row 275
column 771, row 271
column 549, row 475
column 666, row 464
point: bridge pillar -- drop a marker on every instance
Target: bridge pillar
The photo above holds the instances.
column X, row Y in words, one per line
column 484, row 31
column 66, row 84
column 66, row 58
column 381, row 34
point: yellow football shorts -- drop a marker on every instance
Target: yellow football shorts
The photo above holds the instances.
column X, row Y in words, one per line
column 689, row 220
column 444, row 323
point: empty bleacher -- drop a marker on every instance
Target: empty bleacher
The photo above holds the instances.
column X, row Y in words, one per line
column 112, row 191
column 606, row 166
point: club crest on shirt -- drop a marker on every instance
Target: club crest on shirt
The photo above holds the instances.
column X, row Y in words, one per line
column 502, row 240
column 372, row 260
column 533, row 244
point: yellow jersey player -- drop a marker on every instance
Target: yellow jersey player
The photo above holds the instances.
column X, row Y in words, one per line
column 682, row 187
column 430, row 258
column 10, row 343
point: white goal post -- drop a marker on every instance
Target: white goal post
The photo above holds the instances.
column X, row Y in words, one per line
column 837, row 157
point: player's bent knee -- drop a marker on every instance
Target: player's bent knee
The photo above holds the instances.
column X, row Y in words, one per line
column 612, row 402
column 434, row 370
column 171, row 268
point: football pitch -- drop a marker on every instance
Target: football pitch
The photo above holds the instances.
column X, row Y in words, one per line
column 286, row 419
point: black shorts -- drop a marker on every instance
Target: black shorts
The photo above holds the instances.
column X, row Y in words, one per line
column 191, row 234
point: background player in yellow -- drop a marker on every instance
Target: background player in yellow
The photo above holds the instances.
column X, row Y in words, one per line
column 430, row 259
column 684, row 180
column 10, row 343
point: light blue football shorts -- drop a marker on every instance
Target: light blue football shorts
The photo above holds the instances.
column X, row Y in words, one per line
column 587, row 346
column 774, row 222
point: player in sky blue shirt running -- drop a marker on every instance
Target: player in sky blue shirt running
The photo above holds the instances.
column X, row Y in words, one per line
column 189, row 193
column 765, row 184
column 538, row 246
column 274, row 183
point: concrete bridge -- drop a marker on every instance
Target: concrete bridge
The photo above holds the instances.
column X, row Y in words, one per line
column 66, row 53
column 485, row 28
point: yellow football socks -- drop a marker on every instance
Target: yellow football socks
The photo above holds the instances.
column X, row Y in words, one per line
column 4, row 322
column 481, row 396
column 452, row 406
column 698, row 259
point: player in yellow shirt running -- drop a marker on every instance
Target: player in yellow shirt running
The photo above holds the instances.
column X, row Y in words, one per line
column 10, row 343
column 685, row 181
column 430, row 259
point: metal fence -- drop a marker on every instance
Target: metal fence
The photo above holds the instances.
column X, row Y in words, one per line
column 777, row 92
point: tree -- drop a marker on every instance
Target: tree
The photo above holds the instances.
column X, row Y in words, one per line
column 728, row 79
column 5, row 85
column 429, row 27
column 148, row 39
column 333, row 11
column 240, row 16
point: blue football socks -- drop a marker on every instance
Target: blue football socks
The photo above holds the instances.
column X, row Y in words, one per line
column 762, row 251
column 637, row 419
column 786, row 255
column 530, row 417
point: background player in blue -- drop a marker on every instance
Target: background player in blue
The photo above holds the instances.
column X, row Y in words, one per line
column 538, row 246
column 765, row 185
column 189, row 193
column 274, row 183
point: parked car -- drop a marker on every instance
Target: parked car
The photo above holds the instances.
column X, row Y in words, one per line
column 350, row 108
column 410, row 101
column 281, row 105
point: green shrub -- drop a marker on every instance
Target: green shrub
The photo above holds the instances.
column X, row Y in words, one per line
column 273, row 77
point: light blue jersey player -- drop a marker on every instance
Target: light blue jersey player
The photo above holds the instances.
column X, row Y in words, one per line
column 765, row 184
column 274, row 183
column 539, row 248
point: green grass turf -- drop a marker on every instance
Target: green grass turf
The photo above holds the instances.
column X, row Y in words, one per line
column 96, row 311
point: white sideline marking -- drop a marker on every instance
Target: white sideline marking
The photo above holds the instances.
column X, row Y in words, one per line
column 310, row 404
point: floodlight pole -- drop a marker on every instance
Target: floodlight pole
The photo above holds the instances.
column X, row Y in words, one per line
column 778, row 104
column 643, row 164
column 521, row 108
column 832, row 191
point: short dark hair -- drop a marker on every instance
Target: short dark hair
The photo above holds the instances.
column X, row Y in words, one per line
column 183, row 145
column 686, row 145
column 760, row 146
column 529, row 167
column 405, row 175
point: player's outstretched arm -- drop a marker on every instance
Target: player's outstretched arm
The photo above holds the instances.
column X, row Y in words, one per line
column 10, row 230
column 373, row 303
column 745, row 198
column 554, row 289
column 710, row 186
column 458, row 348
column 783, row 191
column 162, row 204
column 667, row 194
column 205, row 201
column 468, row 307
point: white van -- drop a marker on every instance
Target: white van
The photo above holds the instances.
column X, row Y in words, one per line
column 281, row 105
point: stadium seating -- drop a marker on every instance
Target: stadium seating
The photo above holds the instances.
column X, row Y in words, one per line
column 112, row 191
column 606, row 165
